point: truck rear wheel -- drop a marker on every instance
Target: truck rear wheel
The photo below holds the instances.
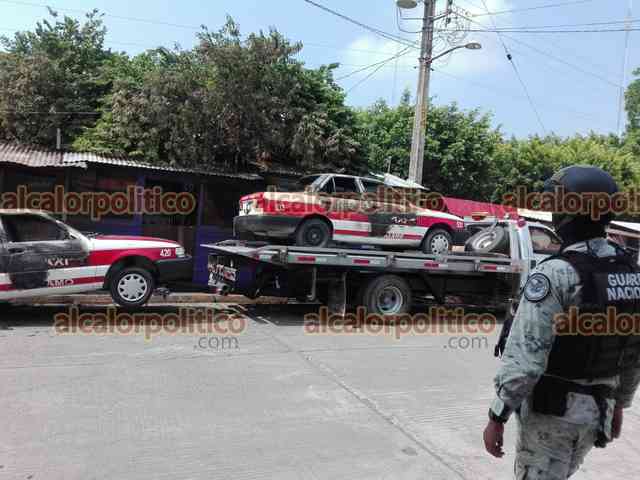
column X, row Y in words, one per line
column 387, row 295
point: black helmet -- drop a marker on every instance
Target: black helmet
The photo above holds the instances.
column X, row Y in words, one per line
column 581, row 180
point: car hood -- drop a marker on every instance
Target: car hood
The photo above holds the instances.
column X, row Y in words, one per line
column 438, row 214
column 123, row 241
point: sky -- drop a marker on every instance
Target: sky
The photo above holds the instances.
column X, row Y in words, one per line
column 572, row 79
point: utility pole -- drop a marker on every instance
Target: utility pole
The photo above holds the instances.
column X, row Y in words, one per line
column 422, row 98
column 625, row 66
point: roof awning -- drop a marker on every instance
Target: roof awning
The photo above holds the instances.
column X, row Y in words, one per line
column 538, row 215
column 625, row 229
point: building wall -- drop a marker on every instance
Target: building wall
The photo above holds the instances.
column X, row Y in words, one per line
column 212, row 221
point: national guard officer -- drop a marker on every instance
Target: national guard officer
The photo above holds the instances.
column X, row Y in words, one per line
column 569, row 390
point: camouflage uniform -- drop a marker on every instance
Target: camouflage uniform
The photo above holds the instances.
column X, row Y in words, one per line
column 550, row 447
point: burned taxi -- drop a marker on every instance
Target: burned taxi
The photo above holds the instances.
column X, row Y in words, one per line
column 41, row 256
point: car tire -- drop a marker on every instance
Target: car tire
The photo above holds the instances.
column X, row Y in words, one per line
column 437, row 242
column 313, row 233
column 489, row 240
column 387, row 295
column 132, row 287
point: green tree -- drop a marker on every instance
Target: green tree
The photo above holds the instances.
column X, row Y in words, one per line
column 50, row 78
column 459, row 146
column 632, row 103
column 158, row 110
column 230, row 101
column 528, row 163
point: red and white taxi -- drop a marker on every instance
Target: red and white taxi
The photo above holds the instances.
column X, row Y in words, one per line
column 345, row 209
column 40, row 256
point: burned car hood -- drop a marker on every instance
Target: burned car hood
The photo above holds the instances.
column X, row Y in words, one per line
column 437, row 214
column 122, row 241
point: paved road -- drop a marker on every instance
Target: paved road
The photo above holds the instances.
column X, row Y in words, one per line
column 281, row 403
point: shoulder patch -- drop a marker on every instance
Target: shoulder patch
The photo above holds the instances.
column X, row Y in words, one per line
column 537, row 288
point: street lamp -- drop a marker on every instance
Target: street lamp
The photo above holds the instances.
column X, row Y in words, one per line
column 468, row 46
column 426, row 59
column 408, row 4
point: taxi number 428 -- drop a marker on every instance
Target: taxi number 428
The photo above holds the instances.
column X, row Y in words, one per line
column 166, row 252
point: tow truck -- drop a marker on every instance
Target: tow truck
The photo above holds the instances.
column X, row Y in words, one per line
column 490, row 272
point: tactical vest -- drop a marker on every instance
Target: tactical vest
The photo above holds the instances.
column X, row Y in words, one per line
column 609, row 342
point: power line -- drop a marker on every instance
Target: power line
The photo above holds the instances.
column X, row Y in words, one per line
column 333, row 47
column 540, row 7
column 510, row 30
column 558, row 69
column 382, row 63
column 305, row 44
column 517, row 72
column 379, row 67
column 551, row 56
column 119, row 17
column 381, row 33
column 591, row 24
column 571, row 52
column 387, row 35
column 563, row 61
column 625, row 62
column 513, row 95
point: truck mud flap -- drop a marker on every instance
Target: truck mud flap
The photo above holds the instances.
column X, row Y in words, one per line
column 337, row 295
column 436, row 287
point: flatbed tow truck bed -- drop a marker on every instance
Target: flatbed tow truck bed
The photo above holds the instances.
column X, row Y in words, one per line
column 288, row 256
column 382, row 281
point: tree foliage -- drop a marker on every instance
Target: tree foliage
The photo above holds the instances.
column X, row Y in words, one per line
column 528, row 163
column 239, row 102
column 48, row 72
column 231, row 101
column 458, row 152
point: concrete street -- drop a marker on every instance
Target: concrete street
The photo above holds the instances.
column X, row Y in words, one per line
column 279, row 404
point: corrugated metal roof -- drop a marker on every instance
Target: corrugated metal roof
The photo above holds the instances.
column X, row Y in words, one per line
column 71, row 158
column 30, row 157
column 33, row 157
column 277, row 169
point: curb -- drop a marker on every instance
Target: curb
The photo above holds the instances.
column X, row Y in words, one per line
column 175, row 298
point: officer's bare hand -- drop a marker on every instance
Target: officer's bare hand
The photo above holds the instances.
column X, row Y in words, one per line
column 616, row 427
column 493, row 435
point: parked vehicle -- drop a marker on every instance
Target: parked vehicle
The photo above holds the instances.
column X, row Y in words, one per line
column 342, row 209
column 387, row 282
column 41, row 256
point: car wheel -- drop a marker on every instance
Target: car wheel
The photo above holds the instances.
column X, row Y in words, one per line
column 387, row 295
column 132, row 287
column 490, row 240
column 438, row 241
column 313, row 233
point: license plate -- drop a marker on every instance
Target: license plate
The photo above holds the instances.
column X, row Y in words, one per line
column 221, row 270
column 245, row 207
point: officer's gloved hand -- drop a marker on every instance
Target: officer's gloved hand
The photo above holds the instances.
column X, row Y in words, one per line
column 493, row 435
column 618, row 417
